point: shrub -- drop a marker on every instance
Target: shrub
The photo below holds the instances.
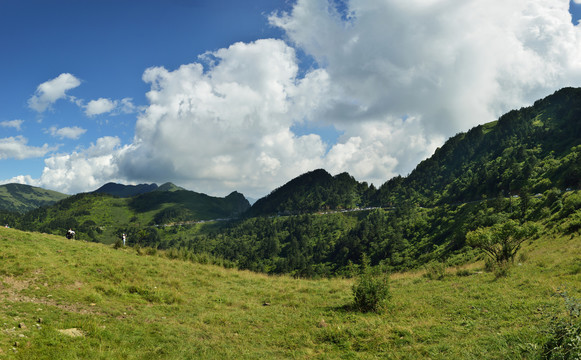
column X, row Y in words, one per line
column 463, row 272
column 435, row 271
column 118, row 244
column 371, row 290
column 564, row 333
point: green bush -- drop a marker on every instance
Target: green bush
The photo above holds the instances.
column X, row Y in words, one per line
column 564, row 333
column 435, row 271
column 371, row 290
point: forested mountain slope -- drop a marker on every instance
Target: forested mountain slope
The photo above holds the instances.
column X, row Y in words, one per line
column 528, row 150
column 311, row 192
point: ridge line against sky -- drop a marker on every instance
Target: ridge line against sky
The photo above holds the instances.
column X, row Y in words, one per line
column 221, row 96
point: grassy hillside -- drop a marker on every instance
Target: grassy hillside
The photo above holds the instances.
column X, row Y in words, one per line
column 22, row 198
column 71, row 299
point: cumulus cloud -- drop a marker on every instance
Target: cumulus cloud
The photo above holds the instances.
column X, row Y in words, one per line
column 224, row 124
column 52, row 90
column 73, row 133
column 113, row 107
column 100, row 106
column 16, row 124
column 82, row 170
column 17, row 147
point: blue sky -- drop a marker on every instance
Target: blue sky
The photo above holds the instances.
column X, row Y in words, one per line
column 107, row 45
column 220, row 95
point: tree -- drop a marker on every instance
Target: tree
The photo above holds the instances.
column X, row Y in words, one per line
column 501, row 241
column 371, row 290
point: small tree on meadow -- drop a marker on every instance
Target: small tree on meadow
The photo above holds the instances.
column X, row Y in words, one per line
column 502, row 241
column 371, row 289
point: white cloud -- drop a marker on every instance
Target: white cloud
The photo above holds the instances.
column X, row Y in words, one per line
column 104, row 105
column 84, row 170
column 17, row 124
column 126, row 106
column 227, row 127
column 50, row 91
column 100, row 106
column 73, row 133
column 16, row 148
column 577, row 2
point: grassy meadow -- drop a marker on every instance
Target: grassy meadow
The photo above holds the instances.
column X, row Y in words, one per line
column 66, row 299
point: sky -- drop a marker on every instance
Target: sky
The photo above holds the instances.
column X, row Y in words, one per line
column 225, row 95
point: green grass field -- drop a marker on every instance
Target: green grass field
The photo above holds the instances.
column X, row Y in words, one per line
column 64, row 299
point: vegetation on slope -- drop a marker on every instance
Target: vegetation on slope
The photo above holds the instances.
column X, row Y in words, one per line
column 103, row 218
column 311, row 192
column 529, row 150
column 402, row 238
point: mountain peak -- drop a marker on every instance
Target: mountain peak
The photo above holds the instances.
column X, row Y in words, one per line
column 168, row 186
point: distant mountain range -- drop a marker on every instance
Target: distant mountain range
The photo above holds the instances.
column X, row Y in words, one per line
column 126, row 191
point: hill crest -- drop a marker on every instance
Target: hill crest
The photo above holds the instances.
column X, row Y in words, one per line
column 22, row 198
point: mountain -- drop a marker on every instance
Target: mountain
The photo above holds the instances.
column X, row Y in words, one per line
column 311, row 192
column 22, row 198
column 530, row 150
column 125, row 191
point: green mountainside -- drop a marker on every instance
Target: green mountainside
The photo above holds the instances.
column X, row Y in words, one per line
column 22, row 198
column 529, row 150
column 169, row 187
